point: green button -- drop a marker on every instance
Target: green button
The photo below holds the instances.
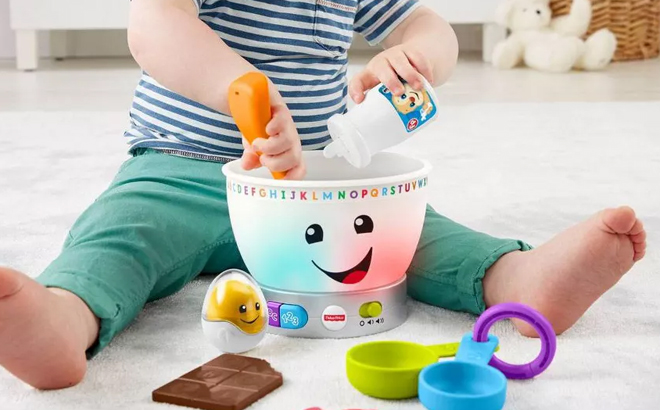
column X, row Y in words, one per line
column 371, row 309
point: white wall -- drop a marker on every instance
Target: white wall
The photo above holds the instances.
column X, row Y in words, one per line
column 108, row 43
column 7, row 49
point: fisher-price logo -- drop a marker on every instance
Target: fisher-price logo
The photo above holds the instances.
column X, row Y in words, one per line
column 334, row 318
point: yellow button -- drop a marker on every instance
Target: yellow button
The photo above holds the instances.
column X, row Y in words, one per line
column 371, row 309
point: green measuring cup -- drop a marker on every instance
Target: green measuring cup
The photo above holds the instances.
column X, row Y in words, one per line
column 390, row 370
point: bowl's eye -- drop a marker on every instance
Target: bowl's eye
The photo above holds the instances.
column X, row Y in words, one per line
column 404, row 96
column 257, row 306
column 242, row 309
column 314, row 234
column 363, row 224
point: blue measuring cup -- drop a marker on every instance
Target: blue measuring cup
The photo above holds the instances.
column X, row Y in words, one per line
column 466, row 383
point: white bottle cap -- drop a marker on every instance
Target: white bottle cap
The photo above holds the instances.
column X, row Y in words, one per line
column 346, row 142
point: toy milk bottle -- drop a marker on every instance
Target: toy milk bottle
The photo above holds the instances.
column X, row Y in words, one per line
column 381, row 121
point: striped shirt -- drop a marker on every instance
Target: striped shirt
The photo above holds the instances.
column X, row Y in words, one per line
column 301, row 45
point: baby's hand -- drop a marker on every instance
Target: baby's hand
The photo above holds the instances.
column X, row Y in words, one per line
column 282, row 151
column 399, row 61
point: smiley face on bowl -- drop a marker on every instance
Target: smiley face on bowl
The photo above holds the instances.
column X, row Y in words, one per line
column 341, row 229
column 363, row 225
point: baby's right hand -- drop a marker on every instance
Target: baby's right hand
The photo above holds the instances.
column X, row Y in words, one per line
column 282, row 151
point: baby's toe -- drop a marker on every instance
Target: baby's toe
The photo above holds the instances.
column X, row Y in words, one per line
column 619, row 220
column 639, row 238
column 637, row 232
column 640, row 250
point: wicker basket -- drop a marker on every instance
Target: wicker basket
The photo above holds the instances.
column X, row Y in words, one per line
column 635, row 23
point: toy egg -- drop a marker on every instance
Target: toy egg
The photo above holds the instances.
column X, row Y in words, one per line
column 235, row 312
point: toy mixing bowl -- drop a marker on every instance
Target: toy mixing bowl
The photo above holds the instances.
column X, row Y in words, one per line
column 341, row 229
column 390, row 370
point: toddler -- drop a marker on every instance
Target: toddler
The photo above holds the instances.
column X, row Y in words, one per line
column 163, row 220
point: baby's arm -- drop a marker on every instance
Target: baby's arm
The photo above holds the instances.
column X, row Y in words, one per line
column 423, row 43
column 429, row 35
column 177, row 49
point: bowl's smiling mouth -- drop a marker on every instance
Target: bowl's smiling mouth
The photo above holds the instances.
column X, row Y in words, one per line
column 353, row 275
column 249, row 323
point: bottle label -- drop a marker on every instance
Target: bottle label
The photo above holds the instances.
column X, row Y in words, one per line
column 415, row 108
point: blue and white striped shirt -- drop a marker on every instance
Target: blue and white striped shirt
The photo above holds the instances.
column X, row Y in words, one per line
column 301, row 45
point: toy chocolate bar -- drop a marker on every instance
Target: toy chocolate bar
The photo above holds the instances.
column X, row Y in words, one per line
column 228, row 382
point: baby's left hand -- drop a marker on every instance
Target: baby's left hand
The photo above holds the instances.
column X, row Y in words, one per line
column 399, row 61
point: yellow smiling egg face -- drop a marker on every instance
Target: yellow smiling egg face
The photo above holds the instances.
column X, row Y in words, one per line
column 238, row 302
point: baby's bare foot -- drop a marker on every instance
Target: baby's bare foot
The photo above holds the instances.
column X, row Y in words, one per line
column 44, row 333
column 565, row 276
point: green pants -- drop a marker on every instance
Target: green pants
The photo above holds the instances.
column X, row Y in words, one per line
column 164, row 220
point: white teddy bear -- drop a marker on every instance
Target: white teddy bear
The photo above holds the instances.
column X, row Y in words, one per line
column 548, row 44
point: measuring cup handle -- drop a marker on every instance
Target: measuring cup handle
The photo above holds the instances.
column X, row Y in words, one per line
column 445, row 350
column 479, row 353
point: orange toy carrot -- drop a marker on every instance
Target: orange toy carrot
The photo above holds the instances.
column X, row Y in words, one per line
column 249, row 103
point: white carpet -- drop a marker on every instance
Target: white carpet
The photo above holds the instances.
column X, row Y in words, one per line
column 523, row 171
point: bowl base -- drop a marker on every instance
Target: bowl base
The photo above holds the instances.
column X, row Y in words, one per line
column 337, row 315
